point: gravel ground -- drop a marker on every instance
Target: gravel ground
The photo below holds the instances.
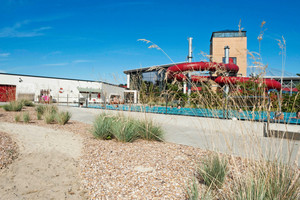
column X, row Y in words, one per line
column 138, row 170
column 8, row 150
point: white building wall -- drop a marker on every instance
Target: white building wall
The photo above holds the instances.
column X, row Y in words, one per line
column 33, row 85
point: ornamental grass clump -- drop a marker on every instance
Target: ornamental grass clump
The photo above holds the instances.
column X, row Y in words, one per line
column 13, row 106
column 26, row 117
column 149, row 131
column 17, row 118
column 125, row 129
column 63, row 117
column 27, row 103
column 49, row 117
column 102, row 127
column 40, row 109
column 269, row 181
column 213, row 171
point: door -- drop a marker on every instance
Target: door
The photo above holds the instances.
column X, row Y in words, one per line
column 7, row 93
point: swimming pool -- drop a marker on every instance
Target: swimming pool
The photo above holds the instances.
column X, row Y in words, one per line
column 203, row 112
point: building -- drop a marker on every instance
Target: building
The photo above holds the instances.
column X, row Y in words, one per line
column 236, row 41
column 18, row 86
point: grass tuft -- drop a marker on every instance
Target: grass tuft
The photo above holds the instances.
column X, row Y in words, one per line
column 49, row 117
column 213, row 171
column 125, row 129
column 63, row 117
column 102, row 127
column 13, row 106
column 17, row 118
column 149, row 131
column 27, row 103
column 26, row 117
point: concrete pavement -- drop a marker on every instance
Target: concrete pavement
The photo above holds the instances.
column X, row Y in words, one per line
column 242, row 138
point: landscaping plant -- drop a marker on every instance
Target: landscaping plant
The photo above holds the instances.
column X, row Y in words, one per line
column 63, row 117
column 26, row 117
column 13, row 106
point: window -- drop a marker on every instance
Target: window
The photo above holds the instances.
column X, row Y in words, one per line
column 231, row 59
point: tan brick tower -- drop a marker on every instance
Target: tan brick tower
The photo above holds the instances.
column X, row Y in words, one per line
column 237, row 42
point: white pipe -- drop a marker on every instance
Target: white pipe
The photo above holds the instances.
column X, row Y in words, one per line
column 190, row 60
column 226, row 48
column 128, row 80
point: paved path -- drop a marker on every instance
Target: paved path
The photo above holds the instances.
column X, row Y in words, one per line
column 241, row 138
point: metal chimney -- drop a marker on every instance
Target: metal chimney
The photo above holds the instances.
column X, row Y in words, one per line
column 226, row 48
column 190, row 49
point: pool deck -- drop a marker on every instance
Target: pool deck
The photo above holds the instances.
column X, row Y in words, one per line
column 236, row 137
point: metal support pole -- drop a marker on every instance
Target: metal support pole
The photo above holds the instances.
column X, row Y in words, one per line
column 67, row 99
column 189, row 60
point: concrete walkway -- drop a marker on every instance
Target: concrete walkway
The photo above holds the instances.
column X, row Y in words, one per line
column 243, row 138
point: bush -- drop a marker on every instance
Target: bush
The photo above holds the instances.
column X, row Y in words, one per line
column 213, row 171
column 63, row 117
column 17, row 118
column 40, row 109
column 270, row 181
column 49, row 117
column 148, row 131
column 103, row 126
column 51, row 109
column 26, row 117
column 38, row 116
column 13, row 106
column 27, row 103
column 125, row 129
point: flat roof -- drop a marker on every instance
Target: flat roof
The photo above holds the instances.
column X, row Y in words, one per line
column 228, row 33
column 71, row 79
column 150, row 69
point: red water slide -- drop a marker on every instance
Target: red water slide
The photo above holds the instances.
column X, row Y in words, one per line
column 175, row 72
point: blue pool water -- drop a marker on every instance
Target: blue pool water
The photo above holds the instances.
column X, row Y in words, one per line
column 202, row 112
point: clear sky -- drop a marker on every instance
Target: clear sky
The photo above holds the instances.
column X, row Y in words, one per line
column 97, row 40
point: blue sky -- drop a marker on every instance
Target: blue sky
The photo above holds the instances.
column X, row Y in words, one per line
column 97, row 40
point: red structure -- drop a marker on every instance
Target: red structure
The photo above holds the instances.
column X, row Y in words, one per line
column 175, row 72
column 7, row 93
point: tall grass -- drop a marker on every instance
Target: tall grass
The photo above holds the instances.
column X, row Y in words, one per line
column 149, row 131
column 213, row 171
column 63, row 117
column 26, row 117
column 102, row 127
column 125, row 129
column 13, row 106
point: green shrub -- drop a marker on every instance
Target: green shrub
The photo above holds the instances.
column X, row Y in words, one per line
column 125, row 129
column 40, row 109
column 148, row 131
column 13, row 106
column 17, row 118
column 102, row 127
column 192, row 191
column 269, row 181
column 27, row 103
column 51, row 109
column 63, row 117
column 49, row 117
column 26, row 117
column 39, row 116
column 213, row 171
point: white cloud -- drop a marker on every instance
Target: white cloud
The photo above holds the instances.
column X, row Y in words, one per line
column 15, row 31
column 56, row 64
column 82, row 61
column 4, row 54
column 1, row 71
